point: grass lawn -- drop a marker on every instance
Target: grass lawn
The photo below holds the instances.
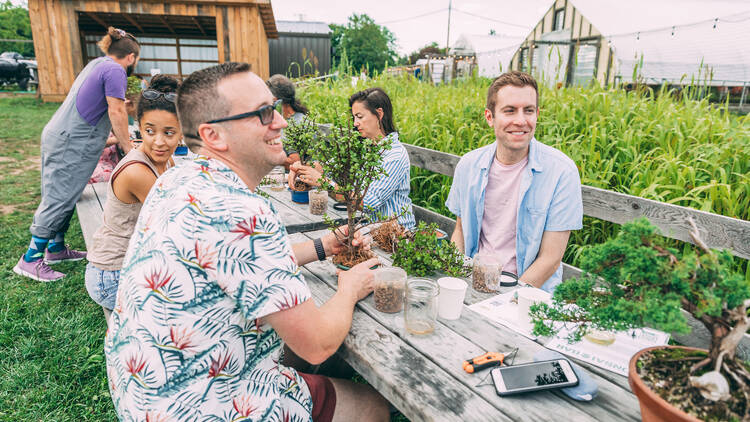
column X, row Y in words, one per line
column 51, row 334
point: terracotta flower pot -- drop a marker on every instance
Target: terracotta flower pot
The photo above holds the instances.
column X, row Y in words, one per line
column 653, row 407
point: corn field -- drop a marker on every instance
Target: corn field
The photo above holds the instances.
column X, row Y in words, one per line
column 677, row 149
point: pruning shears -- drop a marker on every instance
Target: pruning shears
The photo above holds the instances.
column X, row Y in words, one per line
column 487, row 360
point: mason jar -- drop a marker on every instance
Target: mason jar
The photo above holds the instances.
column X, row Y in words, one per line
column 485, row 273
column 420, row 305
column 277, row 177
column 318, row 202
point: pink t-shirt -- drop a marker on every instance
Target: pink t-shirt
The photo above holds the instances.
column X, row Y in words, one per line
column 498, row 234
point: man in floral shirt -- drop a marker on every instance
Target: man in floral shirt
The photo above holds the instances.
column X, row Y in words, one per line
column 211, row 286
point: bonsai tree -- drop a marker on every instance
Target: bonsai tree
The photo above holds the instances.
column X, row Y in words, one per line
column 350, row 164
column 300, row 136
column 634, row 280
column 422, row 254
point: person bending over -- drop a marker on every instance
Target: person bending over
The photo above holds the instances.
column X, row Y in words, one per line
column 72, row 143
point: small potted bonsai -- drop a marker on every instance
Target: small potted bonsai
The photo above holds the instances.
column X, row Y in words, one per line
column 350, row 164
column 300, row 136
column 423, row 253
column 635, row 280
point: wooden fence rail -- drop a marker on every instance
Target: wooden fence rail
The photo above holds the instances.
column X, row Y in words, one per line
column 716, row 230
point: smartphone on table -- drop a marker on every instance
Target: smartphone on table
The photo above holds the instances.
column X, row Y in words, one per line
column 534, row 376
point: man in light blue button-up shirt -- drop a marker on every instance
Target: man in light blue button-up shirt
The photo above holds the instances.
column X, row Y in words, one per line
column 548, row 202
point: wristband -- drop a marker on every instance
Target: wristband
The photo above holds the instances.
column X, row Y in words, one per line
column 319, row 249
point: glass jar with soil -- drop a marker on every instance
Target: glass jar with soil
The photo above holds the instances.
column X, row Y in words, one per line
column 318, row 202
column 277, row 177
column 390, row 284
column 485, row 273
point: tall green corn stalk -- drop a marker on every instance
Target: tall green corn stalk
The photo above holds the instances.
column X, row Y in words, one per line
column 659, row 145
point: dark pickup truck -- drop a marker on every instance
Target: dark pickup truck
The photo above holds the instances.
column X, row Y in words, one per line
column 14, row 68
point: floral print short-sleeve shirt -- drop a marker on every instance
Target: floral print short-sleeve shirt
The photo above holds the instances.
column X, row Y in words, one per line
column 208, row 259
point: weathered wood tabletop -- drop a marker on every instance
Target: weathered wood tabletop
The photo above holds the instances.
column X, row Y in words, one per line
column 422, row 375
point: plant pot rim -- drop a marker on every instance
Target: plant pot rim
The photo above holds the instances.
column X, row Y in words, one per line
column 647, row 396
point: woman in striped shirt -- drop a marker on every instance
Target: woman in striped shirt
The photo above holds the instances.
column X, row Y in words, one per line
column 373, row 117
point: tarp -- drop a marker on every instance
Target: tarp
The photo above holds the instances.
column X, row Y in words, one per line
column 493, row 52
column 669, row 40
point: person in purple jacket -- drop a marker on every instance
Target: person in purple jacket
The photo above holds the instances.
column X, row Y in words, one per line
column 72, row 142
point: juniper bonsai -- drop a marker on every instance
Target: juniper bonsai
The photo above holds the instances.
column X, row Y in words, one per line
column 634, row 280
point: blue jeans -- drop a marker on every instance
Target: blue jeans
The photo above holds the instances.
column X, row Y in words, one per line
column 102, row 285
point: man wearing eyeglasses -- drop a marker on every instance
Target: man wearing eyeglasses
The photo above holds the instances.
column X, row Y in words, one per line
column 211, row 285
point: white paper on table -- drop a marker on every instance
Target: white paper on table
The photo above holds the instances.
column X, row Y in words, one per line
column 501, row 310
column 614, row 357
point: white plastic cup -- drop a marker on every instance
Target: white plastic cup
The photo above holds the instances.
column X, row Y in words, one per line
column 451, row 297
column 528, row 296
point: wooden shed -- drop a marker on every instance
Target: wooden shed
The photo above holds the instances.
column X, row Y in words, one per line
column 177, row 36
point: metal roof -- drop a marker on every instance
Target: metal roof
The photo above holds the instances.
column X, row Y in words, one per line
column 302, row 27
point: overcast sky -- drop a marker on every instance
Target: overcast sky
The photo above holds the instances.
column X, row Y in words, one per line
column 512, row 17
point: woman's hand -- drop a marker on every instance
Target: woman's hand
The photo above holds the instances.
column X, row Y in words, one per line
column 309, row 175
column 332, row 245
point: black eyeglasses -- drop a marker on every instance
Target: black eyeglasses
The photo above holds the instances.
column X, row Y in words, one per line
column 152, row 94
column 265, row 114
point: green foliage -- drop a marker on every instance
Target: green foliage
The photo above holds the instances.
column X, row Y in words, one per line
column 367, row 44
column 134, row 87
column 300, row 136
column 430, row 49
column 635, row 280
column 683, row 151
column 350, row 164
column 50, row 333
column 15, row 25
column 423, row 254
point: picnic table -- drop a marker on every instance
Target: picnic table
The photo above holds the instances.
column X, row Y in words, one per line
column 421, row 375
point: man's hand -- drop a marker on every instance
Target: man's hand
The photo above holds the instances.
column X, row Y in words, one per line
column 359, row 281
column 293, row 169
column 332, row 245
column 291, row 159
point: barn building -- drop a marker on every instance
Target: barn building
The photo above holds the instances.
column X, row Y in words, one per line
column 177, row 37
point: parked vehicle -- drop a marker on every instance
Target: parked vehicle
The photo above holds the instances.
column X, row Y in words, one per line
column 14, row 68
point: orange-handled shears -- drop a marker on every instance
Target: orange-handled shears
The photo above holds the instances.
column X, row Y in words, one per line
column 486, row 360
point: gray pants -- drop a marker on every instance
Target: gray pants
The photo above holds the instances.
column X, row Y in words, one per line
column 67, row 165
column 71, row 147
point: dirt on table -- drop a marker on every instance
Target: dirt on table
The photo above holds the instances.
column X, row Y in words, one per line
column 667, row 373
column 348, row 259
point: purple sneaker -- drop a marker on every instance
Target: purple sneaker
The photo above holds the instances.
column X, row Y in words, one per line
column 37, row 270
column 64, row 255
